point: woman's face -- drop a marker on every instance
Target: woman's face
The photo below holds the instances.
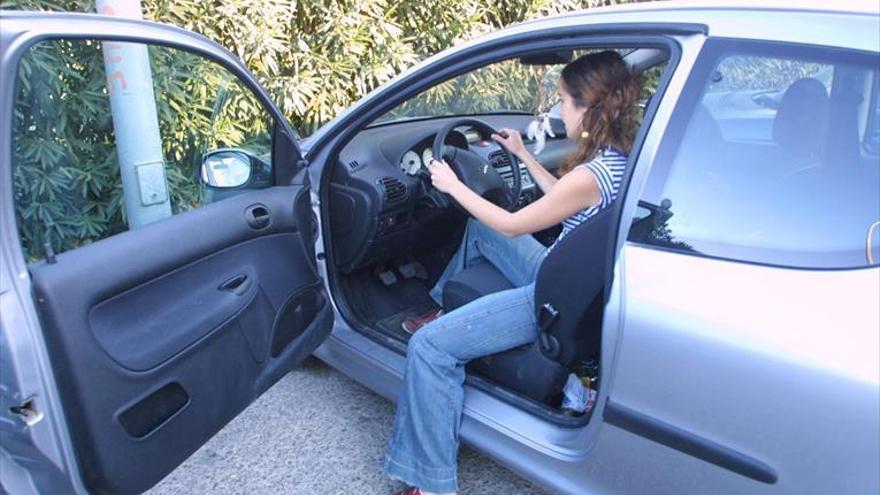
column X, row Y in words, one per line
column 572, row 114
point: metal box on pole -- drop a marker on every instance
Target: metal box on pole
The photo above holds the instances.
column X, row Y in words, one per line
column 135, row 122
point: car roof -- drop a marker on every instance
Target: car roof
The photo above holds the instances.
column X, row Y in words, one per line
column 707, row 11
column 843, row 23
column 817, row 6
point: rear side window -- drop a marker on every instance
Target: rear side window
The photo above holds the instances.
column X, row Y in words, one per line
column 771, row 157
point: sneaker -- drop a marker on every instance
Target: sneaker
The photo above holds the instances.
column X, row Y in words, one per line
column 409, row 491
column 413, row 323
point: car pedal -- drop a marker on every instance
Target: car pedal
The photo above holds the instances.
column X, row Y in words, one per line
column 413, row 269
column 388, row 277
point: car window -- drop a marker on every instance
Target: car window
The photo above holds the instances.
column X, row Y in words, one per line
column 771, row 157
column 507, row 86
column 110, row 136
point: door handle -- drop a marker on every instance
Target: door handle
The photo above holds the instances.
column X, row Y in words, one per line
column 257, row 216
column 869, row 253
column 237, row 284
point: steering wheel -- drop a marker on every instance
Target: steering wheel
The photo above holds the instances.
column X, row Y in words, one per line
column 475, row 171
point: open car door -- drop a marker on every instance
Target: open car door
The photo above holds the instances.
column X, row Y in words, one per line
column 148, row 338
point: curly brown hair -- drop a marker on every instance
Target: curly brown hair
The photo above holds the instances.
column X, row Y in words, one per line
column 604, row 85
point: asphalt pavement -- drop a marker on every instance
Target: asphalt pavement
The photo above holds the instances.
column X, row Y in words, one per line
column 316, row 432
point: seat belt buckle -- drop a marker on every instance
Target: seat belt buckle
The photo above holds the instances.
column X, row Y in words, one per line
column 547, row 316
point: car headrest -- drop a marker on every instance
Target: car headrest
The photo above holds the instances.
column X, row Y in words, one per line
column 802, row 118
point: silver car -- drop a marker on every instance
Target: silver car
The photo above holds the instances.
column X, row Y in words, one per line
column 736, row 309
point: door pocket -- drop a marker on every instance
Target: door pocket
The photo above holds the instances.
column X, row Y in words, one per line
column 298, row 312
column 151, row 412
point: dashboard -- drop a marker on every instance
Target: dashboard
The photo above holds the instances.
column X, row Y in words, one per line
column 381, row 200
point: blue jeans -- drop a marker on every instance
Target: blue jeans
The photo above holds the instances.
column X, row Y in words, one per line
column 424, row 443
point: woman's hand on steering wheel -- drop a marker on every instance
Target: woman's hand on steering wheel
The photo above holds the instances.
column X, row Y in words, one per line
column 442, row 177
column 472, row 169
column 510, row 139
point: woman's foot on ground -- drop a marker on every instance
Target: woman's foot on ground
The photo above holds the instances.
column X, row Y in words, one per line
column 415, row 491
column 413, row 323
column 409, row 491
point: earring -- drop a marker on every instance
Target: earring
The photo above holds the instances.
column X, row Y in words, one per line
column 585, row 135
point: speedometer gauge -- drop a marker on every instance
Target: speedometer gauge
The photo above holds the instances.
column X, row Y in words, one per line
column 427, row 156
column 410, row 163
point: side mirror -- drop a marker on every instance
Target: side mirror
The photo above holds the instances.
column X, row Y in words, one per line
column 226, row 169
column 228, row 172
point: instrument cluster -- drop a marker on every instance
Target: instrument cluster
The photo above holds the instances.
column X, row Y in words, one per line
column 413, row 161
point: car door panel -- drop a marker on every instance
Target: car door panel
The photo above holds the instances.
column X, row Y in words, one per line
column 776, row 375
column 159, row 336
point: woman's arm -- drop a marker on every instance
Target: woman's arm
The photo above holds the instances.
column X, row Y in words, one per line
column 575, row 191
column 542, row 176
column 512, row 140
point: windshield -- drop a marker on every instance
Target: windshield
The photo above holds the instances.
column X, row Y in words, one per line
column 504, row 87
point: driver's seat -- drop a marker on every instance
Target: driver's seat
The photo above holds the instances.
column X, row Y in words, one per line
column 472, row 283
column 569, row 302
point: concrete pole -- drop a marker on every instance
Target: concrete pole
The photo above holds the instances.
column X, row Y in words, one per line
column 133, row 105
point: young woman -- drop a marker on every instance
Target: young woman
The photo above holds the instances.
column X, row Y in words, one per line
column 599, row 93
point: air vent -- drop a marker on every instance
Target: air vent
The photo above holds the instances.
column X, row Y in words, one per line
column 354, row 165
column 395, row 191
column 501, row 162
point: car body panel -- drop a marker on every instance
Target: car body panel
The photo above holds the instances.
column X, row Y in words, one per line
column 744, row 355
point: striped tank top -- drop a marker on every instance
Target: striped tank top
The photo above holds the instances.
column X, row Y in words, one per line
column 608, row 167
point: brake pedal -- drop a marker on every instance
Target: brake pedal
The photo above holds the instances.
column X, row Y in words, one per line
column 413, row 269
column 388, row 277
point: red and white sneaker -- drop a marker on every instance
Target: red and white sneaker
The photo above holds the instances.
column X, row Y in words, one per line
column 413, row 323
column 409, row 491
